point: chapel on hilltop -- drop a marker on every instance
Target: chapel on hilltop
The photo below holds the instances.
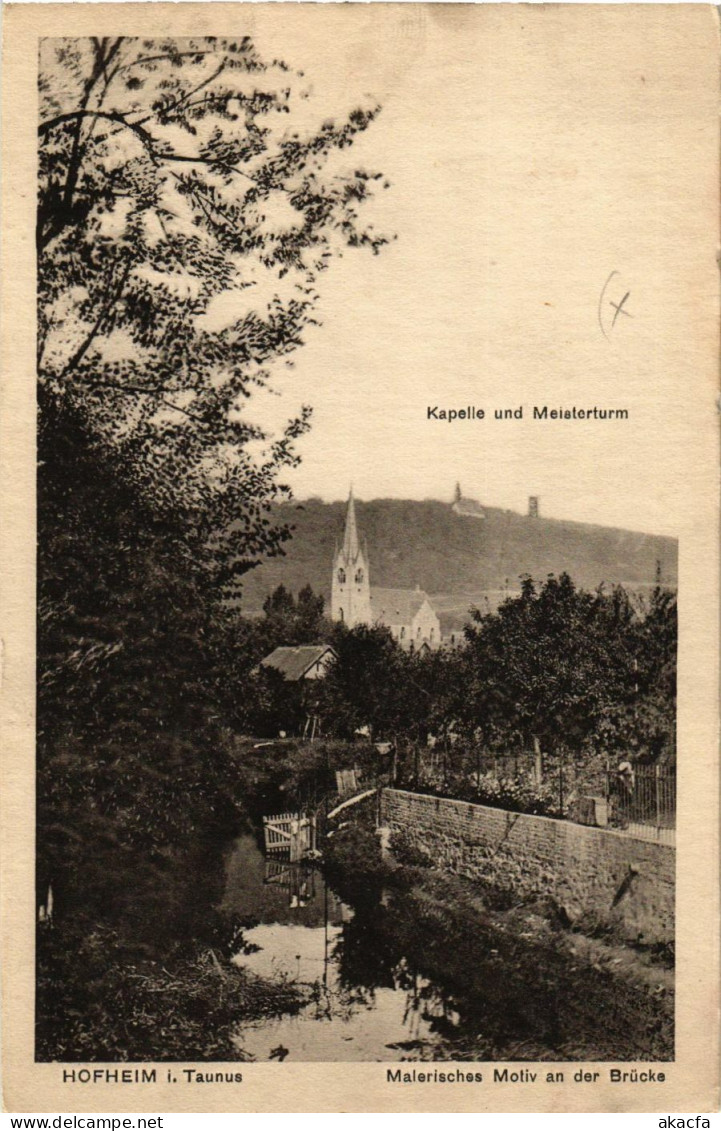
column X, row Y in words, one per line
column 469, row 508
column 408, row 613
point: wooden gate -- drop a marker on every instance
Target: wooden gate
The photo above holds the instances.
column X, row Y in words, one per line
column 291, row 833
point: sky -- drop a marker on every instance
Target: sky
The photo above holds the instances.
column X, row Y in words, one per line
column 529, row 158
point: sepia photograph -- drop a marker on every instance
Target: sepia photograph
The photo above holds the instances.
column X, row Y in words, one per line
column 370, row 577
column 391, row 781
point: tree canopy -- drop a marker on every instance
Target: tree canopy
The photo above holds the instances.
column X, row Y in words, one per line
column 573, row 669
column 186, row 211
column 585, row 673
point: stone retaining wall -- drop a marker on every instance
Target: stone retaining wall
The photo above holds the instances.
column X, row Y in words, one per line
column 601, row 872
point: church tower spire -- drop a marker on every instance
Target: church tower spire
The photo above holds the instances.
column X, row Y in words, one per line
column 350, row 588
column 351, row 546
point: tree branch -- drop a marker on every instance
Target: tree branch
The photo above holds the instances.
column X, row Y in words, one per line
column 143, row 391
column 159, row 58
column 165, row 110
column 108, row 115
column 109, row 302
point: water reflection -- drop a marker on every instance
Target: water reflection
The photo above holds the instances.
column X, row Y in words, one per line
column 305, row 933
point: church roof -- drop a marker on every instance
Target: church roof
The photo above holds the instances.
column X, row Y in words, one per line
column 293, row 663
column 396, row 606
column 459, row 614
column 453, row 621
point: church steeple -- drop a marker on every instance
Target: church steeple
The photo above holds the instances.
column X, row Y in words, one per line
column 351, row 546
column 350, row 588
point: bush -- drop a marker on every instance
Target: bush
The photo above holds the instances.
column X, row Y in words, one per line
column 407, row 852
column 515, row 794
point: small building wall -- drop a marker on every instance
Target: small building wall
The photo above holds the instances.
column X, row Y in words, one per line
column 622, row 881
column 320, row 667
column 430, row 627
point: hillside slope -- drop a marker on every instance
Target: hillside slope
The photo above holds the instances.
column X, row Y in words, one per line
column 425, row 543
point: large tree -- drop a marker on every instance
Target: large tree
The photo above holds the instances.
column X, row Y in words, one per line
column 185, row 216
column 190, row 198
column 372, row 683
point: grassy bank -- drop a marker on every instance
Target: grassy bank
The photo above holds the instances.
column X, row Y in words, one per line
column 105, row 1005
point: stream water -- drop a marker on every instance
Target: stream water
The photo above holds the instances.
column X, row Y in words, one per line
column 406, row 974
column 301, row 936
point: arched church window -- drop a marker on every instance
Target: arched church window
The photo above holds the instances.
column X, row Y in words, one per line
column 431, row 634
column 359, row 576
column 403, row 632
column 341, row 576
column 341, row 614
column 418, row 631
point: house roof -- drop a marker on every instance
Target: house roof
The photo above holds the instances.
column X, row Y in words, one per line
column 486, row 601
column 293, row 663
column 396, row 606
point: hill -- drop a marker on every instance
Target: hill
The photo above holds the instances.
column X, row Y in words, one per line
column 458, row 559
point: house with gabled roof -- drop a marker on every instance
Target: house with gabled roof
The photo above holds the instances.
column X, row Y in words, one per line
column 305, row 661
column 294, row 672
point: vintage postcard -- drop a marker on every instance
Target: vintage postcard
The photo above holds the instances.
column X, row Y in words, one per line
column 361, row 544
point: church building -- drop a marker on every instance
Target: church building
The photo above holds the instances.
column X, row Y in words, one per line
column 408, row 613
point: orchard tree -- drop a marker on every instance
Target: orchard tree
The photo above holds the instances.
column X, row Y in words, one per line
column 439, row 680
column 643, row 726
column 551, row 665
column 366, row 684
column 291, row 621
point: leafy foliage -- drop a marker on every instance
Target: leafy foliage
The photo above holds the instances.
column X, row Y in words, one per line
column 579, row 671
column 582, row 674
column 190, row 198
column 368, row 685
column 295, row 622
column 184, row 218
column 517, row 795
column 258, row 700
column 573, row 669
column 172, row 180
